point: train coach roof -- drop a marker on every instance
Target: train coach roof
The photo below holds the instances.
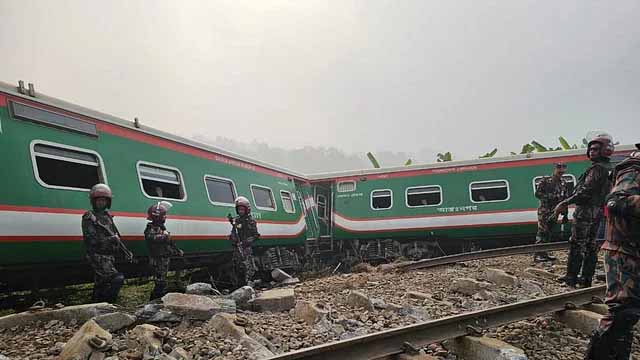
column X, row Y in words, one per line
column 47, row 100
column 458, row 164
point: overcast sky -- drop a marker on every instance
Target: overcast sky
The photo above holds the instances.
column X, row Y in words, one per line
column 463, row 76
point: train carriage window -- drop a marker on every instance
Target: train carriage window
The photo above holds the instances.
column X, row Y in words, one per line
column 569, row 178
column 322, row 206
column 66, row 167
column 489, row 191
column 420, row 196
column 287, row 202
column 221, row 191
column 381, row 199
column 346, row 186
column 263, row 198
column 161, row 182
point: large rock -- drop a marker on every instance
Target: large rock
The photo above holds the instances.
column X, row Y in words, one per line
column 279, row 275
column 88, row 339
column 114, row 321
column 225, row 324
column 147, row 339
column 532, row 287
column 180, row 354
column 469, row 286
column 360, row 300
column 200, row 289
column 309, row 312
column 78, row 313
column 197, row 307
column 500, row 277
column 2, row 357
column 152, row 313
column 275, row 300
column 243, row 295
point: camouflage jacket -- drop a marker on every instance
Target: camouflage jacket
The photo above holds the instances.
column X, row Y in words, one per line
column 592, row 187
column 623, row 223
column 551, row 192
column 159, row 241
column 97, row 239
column 247, row 229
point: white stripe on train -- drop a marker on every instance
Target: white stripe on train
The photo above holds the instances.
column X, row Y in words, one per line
column 435, row 222
column 22, row 223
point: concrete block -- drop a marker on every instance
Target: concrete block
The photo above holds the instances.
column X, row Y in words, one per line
column 601, row 309
column 484, row 348
column 581, row 320
column 500, row 277
column 275, row 300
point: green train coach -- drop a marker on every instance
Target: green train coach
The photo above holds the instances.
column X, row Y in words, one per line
column 436, row 209
column 55, row 151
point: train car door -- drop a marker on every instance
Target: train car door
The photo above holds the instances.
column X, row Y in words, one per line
column 304, row 191
column 324, row 205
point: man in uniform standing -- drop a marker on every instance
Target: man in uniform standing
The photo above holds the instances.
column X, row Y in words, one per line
column 160, row 246
column 551, row 190
column 589, row 195
column 102, row 242
column 614, row 336
column 243, row 234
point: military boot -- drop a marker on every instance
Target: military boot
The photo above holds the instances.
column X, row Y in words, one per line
column 601, row 347
column 158, row 290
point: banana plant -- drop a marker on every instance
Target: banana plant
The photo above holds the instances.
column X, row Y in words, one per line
column 445, row 157
column 489, row 154
column 373, row 160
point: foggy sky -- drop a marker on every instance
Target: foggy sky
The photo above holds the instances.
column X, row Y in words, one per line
column 460, row 76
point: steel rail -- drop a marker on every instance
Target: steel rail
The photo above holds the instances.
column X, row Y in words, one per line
column 391, row 342
column 484, row 254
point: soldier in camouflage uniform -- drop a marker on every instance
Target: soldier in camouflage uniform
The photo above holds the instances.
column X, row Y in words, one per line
column 102, row 242
column 614, row 336
column 160, row 246
column 551, row 190
column 589, row 195
column 243, row 234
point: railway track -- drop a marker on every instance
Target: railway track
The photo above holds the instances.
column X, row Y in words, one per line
column 395, row 341
column 483, row 254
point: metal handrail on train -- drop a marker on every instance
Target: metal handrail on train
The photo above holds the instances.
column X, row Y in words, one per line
column 394, row 341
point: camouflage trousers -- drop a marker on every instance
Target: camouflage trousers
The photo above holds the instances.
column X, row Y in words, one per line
column 107, row 279
column 546, row 222
column 614, row 337
column 160, row 268
column 244, row 266
column 583, row 251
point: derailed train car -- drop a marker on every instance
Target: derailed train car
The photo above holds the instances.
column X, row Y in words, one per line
column 437, row 209
column 55, row 151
